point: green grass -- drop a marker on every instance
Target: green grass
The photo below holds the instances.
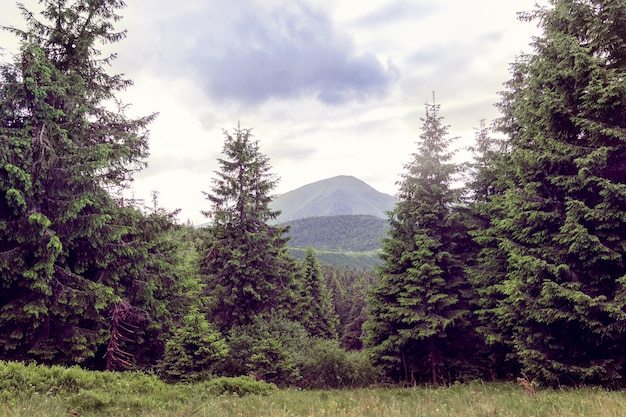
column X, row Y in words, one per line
column 468, row 400
column 39, row 391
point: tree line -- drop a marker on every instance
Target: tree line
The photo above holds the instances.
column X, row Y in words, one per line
column 519, row 272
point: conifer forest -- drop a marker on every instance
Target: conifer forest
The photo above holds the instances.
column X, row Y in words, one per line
column 521, row 271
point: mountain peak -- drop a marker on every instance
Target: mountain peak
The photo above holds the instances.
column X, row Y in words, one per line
column 340, row 195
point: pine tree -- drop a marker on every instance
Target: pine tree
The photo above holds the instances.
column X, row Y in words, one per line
column 348, row 287
column 485, row 186
column 195, row 351
column 62, row 148
column 419, row 313
column 156, row 286
column 246, row 264
column 319, row 316
column 561, row 221
column 484, row 179
column 352, row 335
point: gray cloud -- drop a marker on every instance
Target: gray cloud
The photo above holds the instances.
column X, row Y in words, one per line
column 284, row 56
column 252, row 53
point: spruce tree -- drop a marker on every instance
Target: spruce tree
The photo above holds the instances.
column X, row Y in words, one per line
column 348, row 287
column 485, row 185
column 245, row 262
column 419, row 316
column 319, row 316
column 195, row 352
column 156, row 286
column 561, row 221
column 352, row 335
column 63, row 147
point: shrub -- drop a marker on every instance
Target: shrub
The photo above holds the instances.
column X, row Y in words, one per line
column 267, row 348
column 270, row 361
column 362, row 372
column 242, row 385
column 22, row 380
column 326, row 365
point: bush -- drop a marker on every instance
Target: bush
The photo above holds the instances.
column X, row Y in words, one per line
column 363, row 373
column 271, row 362
column 326, row 365
column 281, row 351
column 20, row 380
column 92, row 393
column 267, row 349
column 243, row 385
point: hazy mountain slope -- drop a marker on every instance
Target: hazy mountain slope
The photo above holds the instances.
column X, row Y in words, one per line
column 332, row 197
column 356, row 260
column 353, row 233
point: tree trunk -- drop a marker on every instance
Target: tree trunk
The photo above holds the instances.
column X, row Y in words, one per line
column 433, row 362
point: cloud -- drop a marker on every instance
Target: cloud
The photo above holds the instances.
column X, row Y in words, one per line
column 255, row 51
column 455, row 54
column 289, row 152
column 398, row 10
column 160, row 164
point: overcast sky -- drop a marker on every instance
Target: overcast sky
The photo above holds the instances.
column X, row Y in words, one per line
column 328, row 87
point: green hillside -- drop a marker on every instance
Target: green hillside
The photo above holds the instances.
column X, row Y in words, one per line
column 357, row 260
column 355, row 233
column 343, row 241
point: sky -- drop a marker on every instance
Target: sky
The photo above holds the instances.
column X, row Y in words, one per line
column 328, row 87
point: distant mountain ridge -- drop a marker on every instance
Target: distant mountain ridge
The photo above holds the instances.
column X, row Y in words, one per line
column 341, row 195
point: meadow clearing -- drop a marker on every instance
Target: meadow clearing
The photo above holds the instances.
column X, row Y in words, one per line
column 475, row 399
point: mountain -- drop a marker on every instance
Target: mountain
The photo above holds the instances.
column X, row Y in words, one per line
column 352, row 260
column 342, row 218
column 345, row 241
column 341, row 195
column 346, row 233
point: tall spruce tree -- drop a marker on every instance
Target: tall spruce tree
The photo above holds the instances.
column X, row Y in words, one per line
column 319, row 315
column 248, row 269
column 562, row 223
column 485, row 185
column 419, row 316
column 62, row 147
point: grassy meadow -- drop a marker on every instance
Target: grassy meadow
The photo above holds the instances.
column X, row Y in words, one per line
column 30, row 391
